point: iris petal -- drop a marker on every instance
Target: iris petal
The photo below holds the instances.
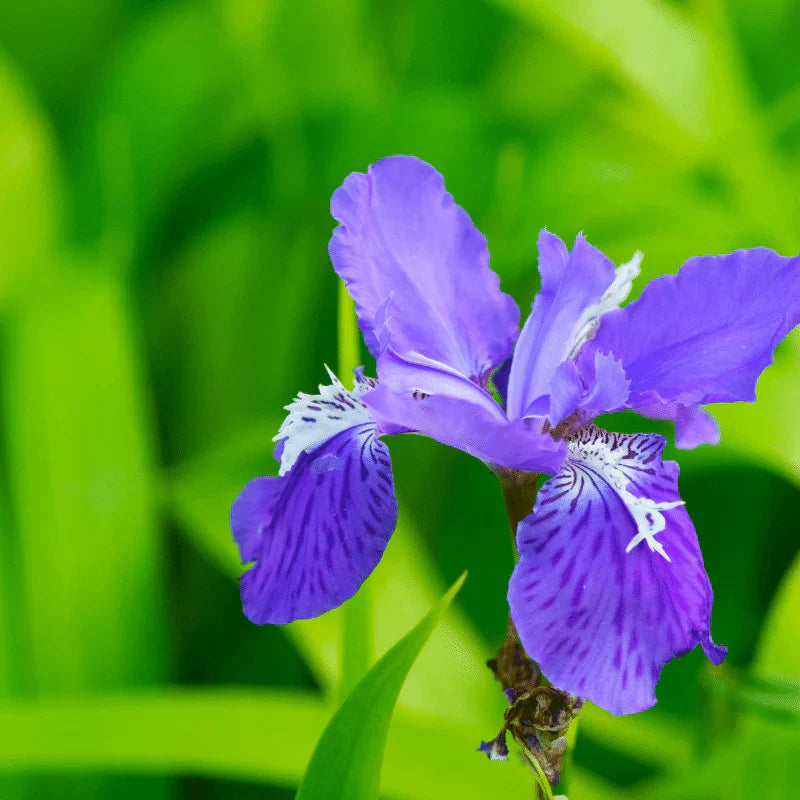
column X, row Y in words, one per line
column 315, row 418
column 611, row 583
column 318, row 531
column 477, row 428
column 418, row 269
column 694, row 425
column 705, row 334
column 578, row 287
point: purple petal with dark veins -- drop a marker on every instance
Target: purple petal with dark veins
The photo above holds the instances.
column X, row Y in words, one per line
column 253, row 510
column 317, row 532
column 705, row 334
column 478, row 428
column 601, row 621
column 412, row 258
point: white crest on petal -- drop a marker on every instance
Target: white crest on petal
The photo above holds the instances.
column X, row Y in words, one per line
column 313, row 419
column 614, row 296
column 607, row 455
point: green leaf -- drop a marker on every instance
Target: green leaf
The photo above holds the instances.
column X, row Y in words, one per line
column 80, row 485
column 80, row 466
column 347, row 760
column 179, row 64
column 772, row 745
column 644, row 45
column 29, row 207
column 265, row 736
column 772, row 696
column 61, row 47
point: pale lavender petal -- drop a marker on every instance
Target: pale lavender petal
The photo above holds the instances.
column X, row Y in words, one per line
column 412, row 257
column 564, row 395
column 694, row 425
column 611, row 583
column 317, row 532
column 479, row 429
column 415, row 374
column 572, row 283
column 609, row 386
column 603, row 389
column 705, row 334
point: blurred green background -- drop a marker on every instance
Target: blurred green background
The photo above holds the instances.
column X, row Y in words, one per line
column 165, row 173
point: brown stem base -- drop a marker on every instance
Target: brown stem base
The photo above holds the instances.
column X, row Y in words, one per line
column 538, row 714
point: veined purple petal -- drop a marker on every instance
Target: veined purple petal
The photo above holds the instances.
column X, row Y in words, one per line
column 705, row 334
column 329, row 520
column 611, row 583
column 252, row 512
column 578, row 287
column 412, row 258
column 316, row 532
column 477, row 428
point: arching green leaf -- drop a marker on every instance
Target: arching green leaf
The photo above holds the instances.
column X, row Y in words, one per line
column 347, row 761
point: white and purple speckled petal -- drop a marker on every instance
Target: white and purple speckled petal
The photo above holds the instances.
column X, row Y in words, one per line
column 316, row 533
column 418, row 269
column 611, row 583
column 706, row 334
column 315, row 418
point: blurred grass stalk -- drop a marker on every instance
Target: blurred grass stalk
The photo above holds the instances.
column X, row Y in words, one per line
column 357, row 639
column 81, row 491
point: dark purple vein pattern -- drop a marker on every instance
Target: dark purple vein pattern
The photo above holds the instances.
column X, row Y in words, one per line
column 317, row 532
column 601, row 621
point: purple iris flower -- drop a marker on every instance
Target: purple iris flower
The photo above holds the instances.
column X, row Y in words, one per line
column 610, row 584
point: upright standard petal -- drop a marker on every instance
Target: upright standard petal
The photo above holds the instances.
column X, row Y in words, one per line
column 414, row 263
column 703, row 335
column 318, row 531
column 578, row 287
column 611, row 583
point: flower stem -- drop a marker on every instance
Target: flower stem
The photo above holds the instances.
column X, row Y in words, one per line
column 357, row 644
column 519, row 494
column 517, row 672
